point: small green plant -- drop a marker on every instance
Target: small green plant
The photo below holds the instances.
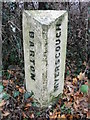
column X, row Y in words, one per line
column 84, row 88
column 16, row 93
column 27, row 95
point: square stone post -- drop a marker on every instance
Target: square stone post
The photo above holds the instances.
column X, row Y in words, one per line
column 44, row 41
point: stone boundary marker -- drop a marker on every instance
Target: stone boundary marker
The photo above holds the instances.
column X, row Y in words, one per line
column 44, row 41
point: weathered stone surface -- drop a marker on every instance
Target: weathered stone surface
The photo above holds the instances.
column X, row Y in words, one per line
column 44, row 40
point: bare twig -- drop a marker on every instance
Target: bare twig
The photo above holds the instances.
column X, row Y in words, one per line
column 15, row 25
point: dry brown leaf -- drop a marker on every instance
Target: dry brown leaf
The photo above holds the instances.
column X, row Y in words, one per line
column 30, row 99
column 17, row 86
column 88, row 114
column 85, row 110
column 81, row 76
column 1, row 109
column 68, row 83
column 77, row 116
column 11, row 81
column 27, row 105
column 53, row 116
column 63, row 116
column 10, row 72
column 59, row 116
column 5, row 82
column 85, row 63
column 74, row 80
column 86, row 83
column 78, row 95
column 24, row 115
column 76, row 106
column 68, row 78
column 68, row 104
column 77, row 102
column 50, row 113
column 21, row 90
column 71, row 117
column 57, row 113
column 32, row 115
column 2, row 103
column 6, row 113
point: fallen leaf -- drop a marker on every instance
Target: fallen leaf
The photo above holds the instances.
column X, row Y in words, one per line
column 11, row 81
column 27, row 105
column 9, row 71
column 17, row 86
column 2, row 103
column 53, row 116
column 57, row 113
column 81, row 76
column 85, row 110
column 30, row 99
column 76, row 106
column 6, row 113
column 71, row 117
column 1, row 109
column 5, row 82
column 63, row 116
column 74, row 80
column 58, row 117
column 21, row 90
column 86, row 83
column 68, row 104
column 77, row 116
column 88, row 114
column 84, row 63
column 24, row 115
column 50, row 113
column 32, row 115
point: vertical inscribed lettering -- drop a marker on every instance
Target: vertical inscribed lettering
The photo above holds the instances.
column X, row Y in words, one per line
column 32, row 55
column 57, row 57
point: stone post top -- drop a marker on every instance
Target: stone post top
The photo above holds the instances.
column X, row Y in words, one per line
column 45, row 17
